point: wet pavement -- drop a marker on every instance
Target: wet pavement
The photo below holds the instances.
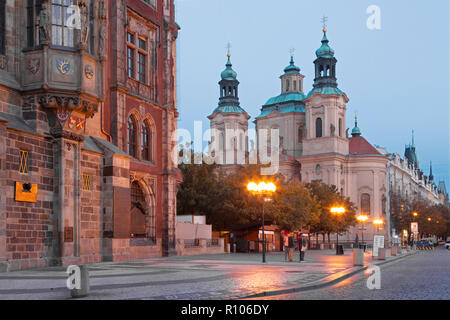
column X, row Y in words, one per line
column 424, row 276
column 223, row 276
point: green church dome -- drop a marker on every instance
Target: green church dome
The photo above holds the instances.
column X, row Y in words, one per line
column 292, row 68
column 228, row 73
column 325, row 50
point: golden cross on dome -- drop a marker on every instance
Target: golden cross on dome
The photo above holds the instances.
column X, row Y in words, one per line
column 324, row 22
column 229, row 49
column 292, row 51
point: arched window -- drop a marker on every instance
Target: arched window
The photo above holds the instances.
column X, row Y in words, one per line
column 287, row 85
column 340, row 127
column 147, row 142
column 319, row 128
column 365, row 204
column 137, row 225
column 318, row 172
column 132, row 135
column 300, row 134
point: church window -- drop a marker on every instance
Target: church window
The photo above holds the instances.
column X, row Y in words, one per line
column 365, row 204
column 300, row 135
column 319, row 128
column 287, row 85
column 3, row 27
column 132, row 135
column 91, row 27
column 318, row 172
column 62, row 32
column 340, row 127
column 295, row 85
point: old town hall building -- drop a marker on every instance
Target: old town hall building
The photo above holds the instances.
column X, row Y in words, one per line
column 87, row 111
column 314, row 143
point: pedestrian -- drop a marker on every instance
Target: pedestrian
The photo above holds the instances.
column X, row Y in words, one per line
column 285, row 246
column 291, row 247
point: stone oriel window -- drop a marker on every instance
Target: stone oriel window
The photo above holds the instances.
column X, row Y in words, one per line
column 132, row 136
column 24, row 162
column 319, row 128
column 365, row 204
column 62, row 33
column 2, row 27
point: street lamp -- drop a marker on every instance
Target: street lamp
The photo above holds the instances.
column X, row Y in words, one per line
column 265, row 191
column 362, row 219
column 337, row 211
column 378, row 223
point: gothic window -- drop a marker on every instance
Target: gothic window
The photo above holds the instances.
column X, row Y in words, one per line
column 62, row 33
column 3, row 27
column 142, row 60
column 137, row 225
column 132, row 135
column 147, row 142
column 319, row 128
column 130, row 54
column 33, row 9
column 365, row 204
column 340, row 127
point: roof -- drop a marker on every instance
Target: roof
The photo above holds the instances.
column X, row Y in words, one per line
column 282, row 109
column 103, row 144
column 285, row 97
column 89, row 144
column 228, row 109
column 325, row 91
column 359, row 145
column 16, row 122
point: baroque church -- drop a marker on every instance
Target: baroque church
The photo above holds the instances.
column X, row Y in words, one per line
column 314, row 143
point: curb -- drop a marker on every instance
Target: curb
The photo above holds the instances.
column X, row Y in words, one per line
column 323, row 284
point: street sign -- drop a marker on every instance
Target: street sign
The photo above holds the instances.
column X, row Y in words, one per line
column 414, row 227
column 378, row 242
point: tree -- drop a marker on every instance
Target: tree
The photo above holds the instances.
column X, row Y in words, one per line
column 294, row 207
column 327, row 197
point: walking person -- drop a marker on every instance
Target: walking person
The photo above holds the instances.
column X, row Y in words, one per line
column 285, row 246
column 291, row 247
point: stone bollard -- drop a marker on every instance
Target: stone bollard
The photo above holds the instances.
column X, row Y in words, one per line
column 358, row 257
column 381, row 254
column 84, row 284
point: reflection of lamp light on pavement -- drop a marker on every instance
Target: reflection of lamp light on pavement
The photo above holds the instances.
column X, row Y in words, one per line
column 264, row 190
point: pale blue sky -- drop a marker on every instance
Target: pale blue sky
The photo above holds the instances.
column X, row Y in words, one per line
column 396, row 78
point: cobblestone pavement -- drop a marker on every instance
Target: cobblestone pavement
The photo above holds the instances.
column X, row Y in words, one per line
column 186, row 278
column 424, row 276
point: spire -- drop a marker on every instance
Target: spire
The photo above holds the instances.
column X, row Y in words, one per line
column 228, row 73
column 413, row 145
column 356, row 132
column 325, row 64
column 431, row 178
column 292, row 68
column 229, row 84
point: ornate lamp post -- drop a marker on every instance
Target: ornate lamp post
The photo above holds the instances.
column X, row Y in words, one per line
column 337, row 211
column 362, row 219
column 263, row 190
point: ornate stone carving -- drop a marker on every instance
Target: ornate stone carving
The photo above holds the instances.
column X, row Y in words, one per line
column 45, row 24
column 103, row 40
column 61, row 133
column 69, row 103
column 102, row 9
column 84, row 33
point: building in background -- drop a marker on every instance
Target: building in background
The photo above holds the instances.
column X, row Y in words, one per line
column 86, row 118
column 314, row 144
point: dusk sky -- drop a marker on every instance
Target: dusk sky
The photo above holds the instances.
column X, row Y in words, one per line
column 397, row 78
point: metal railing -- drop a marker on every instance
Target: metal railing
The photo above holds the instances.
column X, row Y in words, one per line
column 212, row 242
column 191, row 243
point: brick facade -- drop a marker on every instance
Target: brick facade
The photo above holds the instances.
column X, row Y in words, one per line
column 67, row 109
